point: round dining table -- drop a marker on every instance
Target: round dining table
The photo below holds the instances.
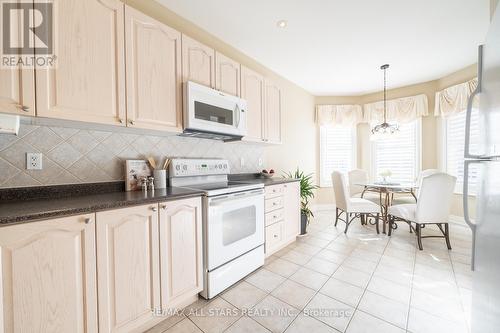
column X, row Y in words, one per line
column 386, row 191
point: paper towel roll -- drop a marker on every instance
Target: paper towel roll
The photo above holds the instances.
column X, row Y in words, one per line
column 9, row 124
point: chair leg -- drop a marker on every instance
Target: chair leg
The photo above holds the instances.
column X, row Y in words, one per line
column 409, row 225
column 336, row 216
column 418, row 231
column 447, row 235
column 362, row 217
column 391, row 221
column 377, row 217
column 347, row 219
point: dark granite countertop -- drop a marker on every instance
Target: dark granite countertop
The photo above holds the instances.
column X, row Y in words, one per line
column 256, row 178
column 21, row 211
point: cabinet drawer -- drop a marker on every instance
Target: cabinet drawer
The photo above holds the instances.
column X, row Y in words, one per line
column 274, row 203
column 274, row 236
column 273, row 191
column 274, row 216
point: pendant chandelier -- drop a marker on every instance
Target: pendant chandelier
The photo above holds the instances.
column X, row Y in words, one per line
column 384, row 129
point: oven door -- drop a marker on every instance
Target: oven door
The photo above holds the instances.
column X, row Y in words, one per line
column 210, row 110
column 234, row 226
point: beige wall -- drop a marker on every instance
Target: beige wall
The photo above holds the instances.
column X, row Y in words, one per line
column 431, row 127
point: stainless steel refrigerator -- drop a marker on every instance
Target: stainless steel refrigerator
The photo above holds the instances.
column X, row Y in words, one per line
column 485, row 160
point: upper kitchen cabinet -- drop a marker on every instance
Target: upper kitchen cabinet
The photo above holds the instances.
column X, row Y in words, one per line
column 227, row 75
column 180, row 251
column 252, row 90
column 154, row 73
column 48, row 276
column 198, row 62
column 272, row 113
column 88, row 81
column 128, row 268
column 17, row 84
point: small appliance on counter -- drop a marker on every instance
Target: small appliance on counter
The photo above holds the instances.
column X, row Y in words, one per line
column 233, row 221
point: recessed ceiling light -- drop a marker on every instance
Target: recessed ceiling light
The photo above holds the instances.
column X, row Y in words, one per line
column 282, row 24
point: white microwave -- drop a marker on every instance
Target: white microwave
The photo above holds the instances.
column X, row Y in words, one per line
column 209, row 113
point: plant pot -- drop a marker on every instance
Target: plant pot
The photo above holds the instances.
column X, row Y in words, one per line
column 303, row 224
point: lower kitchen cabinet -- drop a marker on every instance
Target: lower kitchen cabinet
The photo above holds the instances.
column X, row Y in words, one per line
column 128, row 267
column 48, row 276
column 181, row 251
column 282, row 206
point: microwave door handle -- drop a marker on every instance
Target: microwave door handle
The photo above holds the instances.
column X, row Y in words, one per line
column 237, row 112
column 468, row 114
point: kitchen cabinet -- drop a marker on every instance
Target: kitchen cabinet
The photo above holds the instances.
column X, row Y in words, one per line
column 181, row 251
column 48, row 276
column 198, row 62
column 291, row 198
column 17, row 84
column 282, row 218
column 128, row 267
column 227, row 75
column 252, row 90
column 154, row 73
column 272, row 113
column 88, row 82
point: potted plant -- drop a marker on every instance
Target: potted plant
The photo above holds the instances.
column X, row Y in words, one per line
column 306, row 193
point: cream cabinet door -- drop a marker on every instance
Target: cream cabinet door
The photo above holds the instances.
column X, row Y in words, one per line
column 128, row 267
column 292, row 209
column 88, row 83
column 48, row 276
column 252, row 90
column 154, row 73
column 227, row 75
column 273, row 113
column 181, row 251
column 198, row 62
column 17, row 84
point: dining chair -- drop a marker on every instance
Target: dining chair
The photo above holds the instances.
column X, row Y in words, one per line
column 398, row 200
column 352, row 207
column 359, row 176
column 432, row 208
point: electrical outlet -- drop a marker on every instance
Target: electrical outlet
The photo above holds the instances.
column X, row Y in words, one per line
column 33, row 161
column 242, row 162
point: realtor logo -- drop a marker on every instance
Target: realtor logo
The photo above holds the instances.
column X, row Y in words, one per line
column 27, row 33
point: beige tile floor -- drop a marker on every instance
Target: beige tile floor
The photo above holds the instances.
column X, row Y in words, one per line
column 331, row 282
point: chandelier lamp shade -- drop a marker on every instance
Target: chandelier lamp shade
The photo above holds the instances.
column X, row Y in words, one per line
column 384, row 129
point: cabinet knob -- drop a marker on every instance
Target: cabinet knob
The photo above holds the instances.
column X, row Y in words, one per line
column 120, row 120
column 154, row 209
column 275, row 216
column 275, row 236
column 25, row 108
column 87, row 220
column 163, row 207
column 275, row 203
column 131, row 122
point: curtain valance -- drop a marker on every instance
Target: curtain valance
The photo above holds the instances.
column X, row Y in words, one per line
column 453, row 100
column 401, row 110
column 339, row 115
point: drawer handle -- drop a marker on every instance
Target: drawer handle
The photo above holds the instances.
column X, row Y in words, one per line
column 87, row 220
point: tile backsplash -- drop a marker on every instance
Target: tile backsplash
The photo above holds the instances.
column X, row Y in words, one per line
column 72, row 155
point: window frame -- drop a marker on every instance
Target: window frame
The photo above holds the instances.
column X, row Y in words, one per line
column 418, row 161
column 327, row 182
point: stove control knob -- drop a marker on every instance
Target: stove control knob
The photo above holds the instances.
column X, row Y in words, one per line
column 225, row 166
column 177, row 167
column 184, row 167
column 220, row 166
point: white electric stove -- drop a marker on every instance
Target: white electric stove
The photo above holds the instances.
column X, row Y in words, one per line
column 233, row 221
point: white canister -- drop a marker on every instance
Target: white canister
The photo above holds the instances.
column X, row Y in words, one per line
column 160, row 178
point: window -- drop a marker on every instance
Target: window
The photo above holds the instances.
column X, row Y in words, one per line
column 337, row 151
column 400, row 154
column 454, row 139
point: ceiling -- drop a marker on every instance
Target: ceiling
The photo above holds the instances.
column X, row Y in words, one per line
column 335, row 47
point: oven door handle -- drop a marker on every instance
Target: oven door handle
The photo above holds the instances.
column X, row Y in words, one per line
column 219, row 200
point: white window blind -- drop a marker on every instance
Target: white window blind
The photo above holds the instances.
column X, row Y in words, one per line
column 454, row 148
column 400, row 154
column 337, row 151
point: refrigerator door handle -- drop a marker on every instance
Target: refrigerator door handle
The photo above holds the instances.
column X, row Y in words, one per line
column 477, row 91
column 465, row 198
